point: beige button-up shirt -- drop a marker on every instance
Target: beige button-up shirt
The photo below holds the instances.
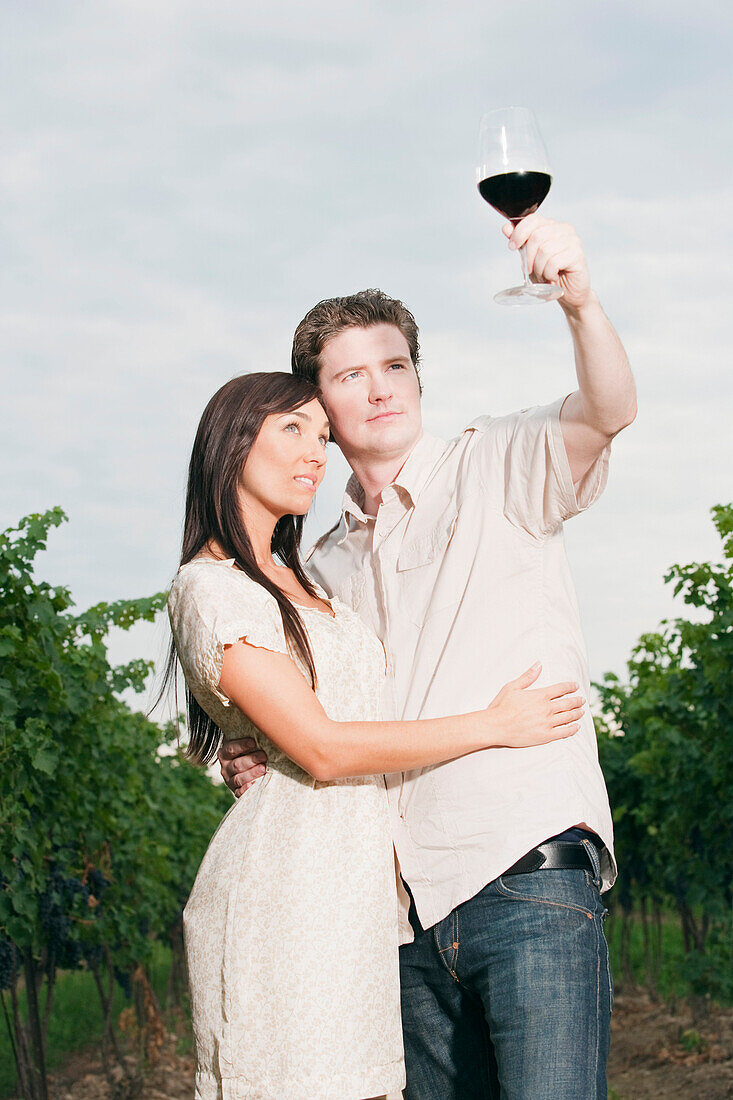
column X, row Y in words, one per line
column 463, row 575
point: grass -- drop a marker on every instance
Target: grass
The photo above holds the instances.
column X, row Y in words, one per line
column 76, row 1019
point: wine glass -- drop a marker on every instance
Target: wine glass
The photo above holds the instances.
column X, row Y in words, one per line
column 514, row 176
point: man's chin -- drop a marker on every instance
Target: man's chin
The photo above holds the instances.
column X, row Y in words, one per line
column 395, row 436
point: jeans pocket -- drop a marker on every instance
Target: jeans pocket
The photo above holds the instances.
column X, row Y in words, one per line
column 565, row 889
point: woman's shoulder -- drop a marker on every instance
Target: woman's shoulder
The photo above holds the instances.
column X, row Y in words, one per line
column 205, row 582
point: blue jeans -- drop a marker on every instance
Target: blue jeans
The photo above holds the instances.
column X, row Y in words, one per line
column 509, row 997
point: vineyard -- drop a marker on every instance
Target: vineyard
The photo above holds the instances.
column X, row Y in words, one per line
column 102, row 823
column 666, row 747
column 100, row 832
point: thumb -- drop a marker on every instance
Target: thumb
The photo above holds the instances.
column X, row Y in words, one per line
column 527, row 678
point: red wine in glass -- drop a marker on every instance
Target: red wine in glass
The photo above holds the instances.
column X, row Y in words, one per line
column 515, row 194
column 514, row 177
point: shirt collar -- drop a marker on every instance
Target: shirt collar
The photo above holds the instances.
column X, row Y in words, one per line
column 419, row 465
column 412, row 477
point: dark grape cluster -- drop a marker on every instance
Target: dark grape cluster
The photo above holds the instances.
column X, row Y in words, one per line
column 55, row 909
column 122, row 977
column 97, row 883
column 7, row 958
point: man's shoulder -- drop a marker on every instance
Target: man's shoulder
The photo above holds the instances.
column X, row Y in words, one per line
column 322, row 543
column 484, row 430
column 507, row 422
column 488, row 423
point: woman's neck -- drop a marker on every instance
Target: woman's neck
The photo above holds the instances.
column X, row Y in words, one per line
column 260, row 526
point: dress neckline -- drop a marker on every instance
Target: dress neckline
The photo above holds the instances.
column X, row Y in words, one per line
column 301, row 607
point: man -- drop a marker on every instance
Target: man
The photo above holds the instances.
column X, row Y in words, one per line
column 454, row 554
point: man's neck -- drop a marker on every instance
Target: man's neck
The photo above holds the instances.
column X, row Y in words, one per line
column 375, row 473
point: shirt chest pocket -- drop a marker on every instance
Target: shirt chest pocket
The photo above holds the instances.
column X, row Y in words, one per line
column 429, row 583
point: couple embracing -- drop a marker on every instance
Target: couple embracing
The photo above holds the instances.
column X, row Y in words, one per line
column 430, row 645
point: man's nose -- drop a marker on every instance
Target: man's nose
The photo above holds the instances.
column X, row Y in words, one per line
column 380, row 388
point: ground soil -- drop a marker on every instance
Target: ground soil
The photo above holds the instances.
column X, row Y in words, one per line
column 658, row 1052
column 663, row 1052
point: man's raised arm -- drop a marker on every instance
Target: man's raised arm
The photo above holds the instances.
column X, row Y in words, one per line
column 605, row 401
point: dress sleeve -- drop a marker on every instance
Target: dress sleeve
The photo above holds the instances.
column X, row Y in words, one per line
column 526, row 451
column 211, row 607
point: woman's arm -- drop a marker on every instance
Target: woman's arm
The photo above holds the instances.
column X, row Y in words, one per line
column 273, row 694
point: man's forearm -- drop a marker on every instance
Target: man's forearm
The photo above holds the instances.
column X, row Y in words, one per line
column 606, row 396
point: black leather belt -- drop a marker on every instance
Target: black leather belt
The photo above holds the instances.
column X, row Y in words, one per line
column 553, row 855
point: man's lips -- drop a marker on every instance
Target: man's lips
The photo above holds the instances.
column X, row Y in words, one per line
column 383, row 416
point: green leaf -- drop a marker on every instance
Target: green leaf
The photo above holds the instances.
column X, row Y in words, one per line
column 45, row 759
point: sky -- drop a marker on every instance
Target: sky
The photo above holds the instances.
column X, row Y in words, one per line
column 179, row 183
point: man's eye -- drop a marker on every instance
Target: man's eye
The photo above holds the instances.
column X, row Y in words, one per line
column 354, row 374
column 324, row 440
column 397, row 366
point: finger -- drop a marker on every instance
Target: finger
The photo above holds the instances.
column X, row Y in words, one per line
column 549, row 265
column 259, row 756
column 554, row 691
column 568, row 731
column 546, row 234
column 541, row 246
column 244, row 763
column 568, row 716
column 230, row 749
column 527, row 678
column 523, row 230
column 567, row 702
column 244, row 779
column 546, row 231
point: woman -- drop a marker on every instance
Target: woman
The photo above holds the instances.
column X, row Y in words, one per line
column 290, row 929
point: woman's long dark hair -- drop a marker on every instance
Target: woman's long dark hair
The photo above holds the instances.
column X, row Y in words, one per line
column 228, row 429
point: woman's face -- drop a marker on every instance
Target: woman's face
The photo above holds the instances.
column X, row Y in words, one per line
column 287, row 461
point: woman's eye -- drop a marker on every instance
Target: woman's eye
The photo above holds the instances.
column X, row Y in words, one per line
column 324, row 440
column 294, row 426
column 354, row 374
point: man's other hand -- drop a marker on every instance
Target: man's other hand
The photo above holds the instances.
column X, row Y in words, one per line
column 554, row 254
column 241, row 763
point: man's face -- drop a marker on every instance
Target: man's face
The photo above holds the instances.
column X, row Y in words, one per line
column 370, row 392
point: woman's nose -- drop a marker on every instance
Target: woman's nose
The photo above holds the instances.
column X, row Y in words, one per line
column 316, row 453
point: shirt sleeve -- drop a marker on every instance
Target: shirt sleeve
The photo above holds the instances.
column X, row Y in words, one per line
column 211, row 607
column 525, row 462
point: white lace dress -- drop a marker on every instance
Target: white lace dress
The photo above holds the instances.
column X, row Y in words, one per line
column 291, row 927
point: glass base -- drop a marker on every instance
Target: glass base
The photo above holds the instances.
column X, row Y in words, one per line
column 528, row 294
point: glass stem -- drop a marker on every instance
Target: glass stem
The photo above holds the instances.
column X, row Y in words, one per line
column 523, row 258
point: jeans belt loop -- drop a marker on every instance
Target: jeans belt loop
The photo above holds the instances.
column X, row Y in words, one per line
column 594, row 856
